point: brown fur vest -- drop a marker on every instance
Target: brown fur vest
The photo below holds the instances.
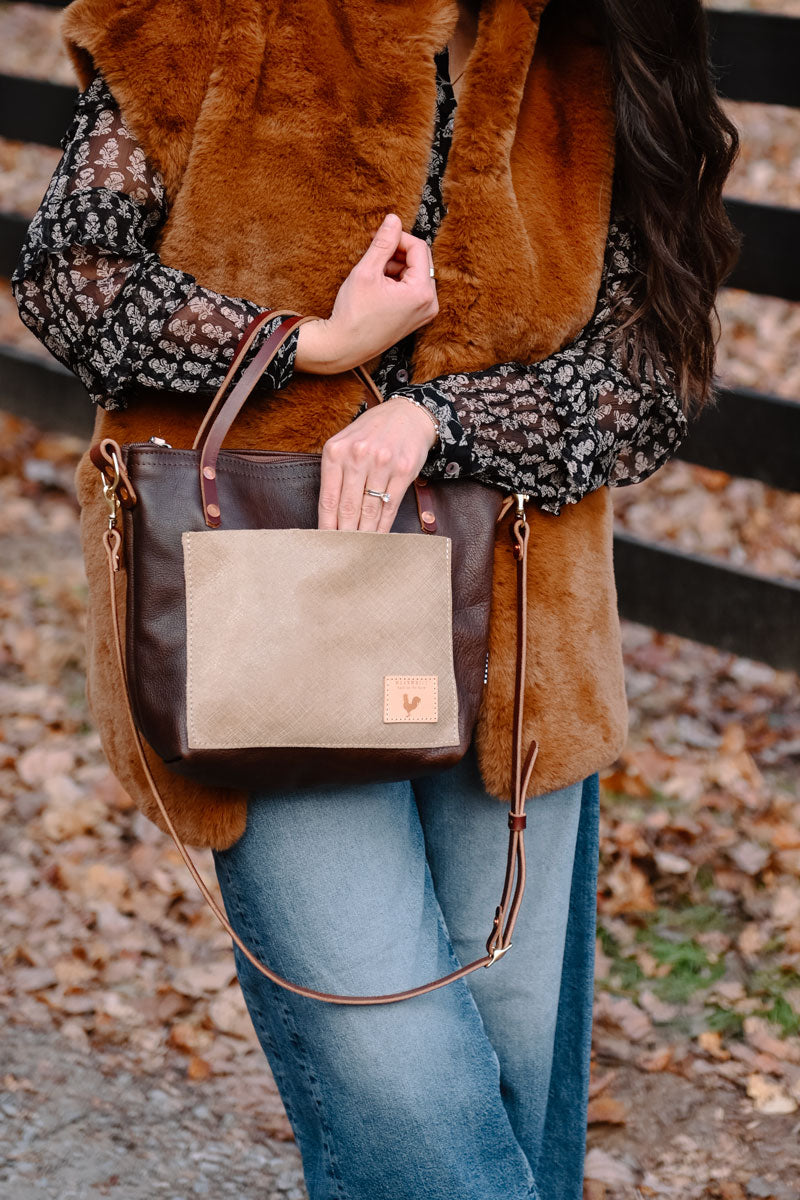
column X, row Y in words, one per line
column 285, row 130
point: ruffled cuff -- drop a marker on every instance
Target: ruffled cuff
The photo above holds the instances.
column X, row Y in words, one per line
column 450, row 457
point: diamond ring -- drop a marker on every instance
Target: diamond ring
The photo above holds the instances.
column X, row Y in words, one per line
column 383, row 496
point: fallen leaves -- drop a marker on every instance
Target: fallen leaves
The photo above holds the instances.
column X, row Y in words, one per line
column 607, row 1110
column 604, row 1168
column 103, row 934
column 769, row 1097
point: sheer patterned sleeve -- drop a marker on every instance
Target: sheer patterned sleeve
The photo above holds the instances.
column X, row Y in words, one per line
column 568, row 424
column 94, row 291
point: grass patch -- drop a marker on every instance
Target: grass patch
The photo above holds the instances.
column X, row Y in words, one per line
column 690, row 968
column 694, row 918
column 616, row 803
column 771, row 983
column 625, row 973
column 724, row 1021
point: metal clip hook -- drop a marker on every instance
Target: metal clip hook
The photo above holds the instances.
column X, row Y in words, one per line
column 110, row 492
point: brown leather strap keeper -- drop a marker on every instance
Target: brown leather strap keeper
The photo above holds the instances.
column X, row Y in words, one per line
column 106, row 456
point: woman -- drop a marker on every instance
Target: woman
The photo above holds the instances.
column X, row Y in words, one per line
column 511, row 213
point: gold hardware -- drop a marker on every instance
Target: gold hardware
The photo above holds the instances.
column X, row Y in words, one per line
column 520, row 498
column 498, row 952
column 110, row 492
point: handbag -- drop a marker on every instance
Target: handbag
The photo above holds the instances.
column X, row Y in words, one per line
column 260, row 651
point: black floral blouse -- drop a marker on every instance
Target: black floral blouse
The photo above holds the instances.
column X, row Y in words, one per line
column 93, row 289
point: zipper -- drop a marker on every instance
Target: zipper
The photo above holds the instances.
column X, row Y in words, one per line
column 250, row 455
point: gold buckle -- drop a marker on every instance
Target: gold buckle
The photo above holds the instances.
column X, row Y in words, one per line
column 498, row 952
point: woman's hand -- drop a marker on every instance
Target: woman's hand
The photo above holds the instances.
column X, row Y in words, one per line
column 388, row 294
column 383, row 449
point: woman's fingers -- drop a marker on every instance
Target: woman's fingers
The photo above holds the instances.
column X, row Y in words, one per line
column 418, row 279
column 384, row 243
column 351, row 498
column 372, row 506
column 418, row 260
column 382, row 451
column 343, row 499
column 397, row 488
column 330, row 487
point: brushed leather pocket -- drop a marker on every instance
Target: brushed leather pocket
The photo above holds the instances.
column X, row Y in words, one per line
column 291, row 634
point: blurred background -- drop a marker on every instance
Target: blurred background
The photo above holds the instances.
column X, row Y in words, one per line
column 128, row 1066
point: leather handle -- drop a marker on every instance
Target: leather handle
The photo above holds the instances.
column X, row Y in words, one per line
column 499, row 940
column 226, row 406
column 225, row 409
column 245, row 342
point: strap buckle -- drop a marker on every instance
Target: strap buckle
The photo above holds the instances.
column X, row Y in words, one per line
column 498, row 952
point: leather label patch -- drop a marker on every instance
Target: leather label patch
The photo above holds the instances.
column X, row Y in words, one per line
column 410, row 698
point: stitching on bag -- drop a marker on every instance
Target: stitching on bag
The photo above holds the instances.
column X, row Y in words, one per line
column 187, row 550
column 453, row 689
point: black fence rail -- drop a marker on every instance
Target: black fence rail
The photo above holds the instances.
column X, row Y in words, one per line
column 748, row 433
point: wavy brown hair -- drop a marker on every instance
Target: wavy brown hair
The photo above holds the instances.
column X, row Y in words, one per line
column 675, row 147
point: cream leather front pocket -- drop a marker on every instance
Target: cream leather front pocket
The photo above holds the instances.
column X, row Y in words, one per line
column 292, row 633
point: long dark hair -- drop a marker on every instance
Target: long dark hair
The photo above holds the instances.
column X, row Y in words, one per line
column 675, row 147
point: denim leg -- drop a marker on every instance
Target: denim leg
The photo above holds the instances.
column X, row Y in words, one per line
column 402, row 1101
column 564, row 1138
column 534, row 1000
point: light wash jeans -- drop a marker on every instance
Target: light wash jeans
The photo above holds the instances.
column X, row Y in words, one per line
column 476, row 1091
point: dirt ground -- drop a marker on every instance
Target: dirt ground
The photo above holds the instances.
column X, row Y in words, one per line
column 77, row 1125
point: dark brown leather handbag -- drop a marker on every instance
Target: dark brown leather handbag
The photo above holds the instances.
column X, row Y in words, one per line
column 262, row 652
